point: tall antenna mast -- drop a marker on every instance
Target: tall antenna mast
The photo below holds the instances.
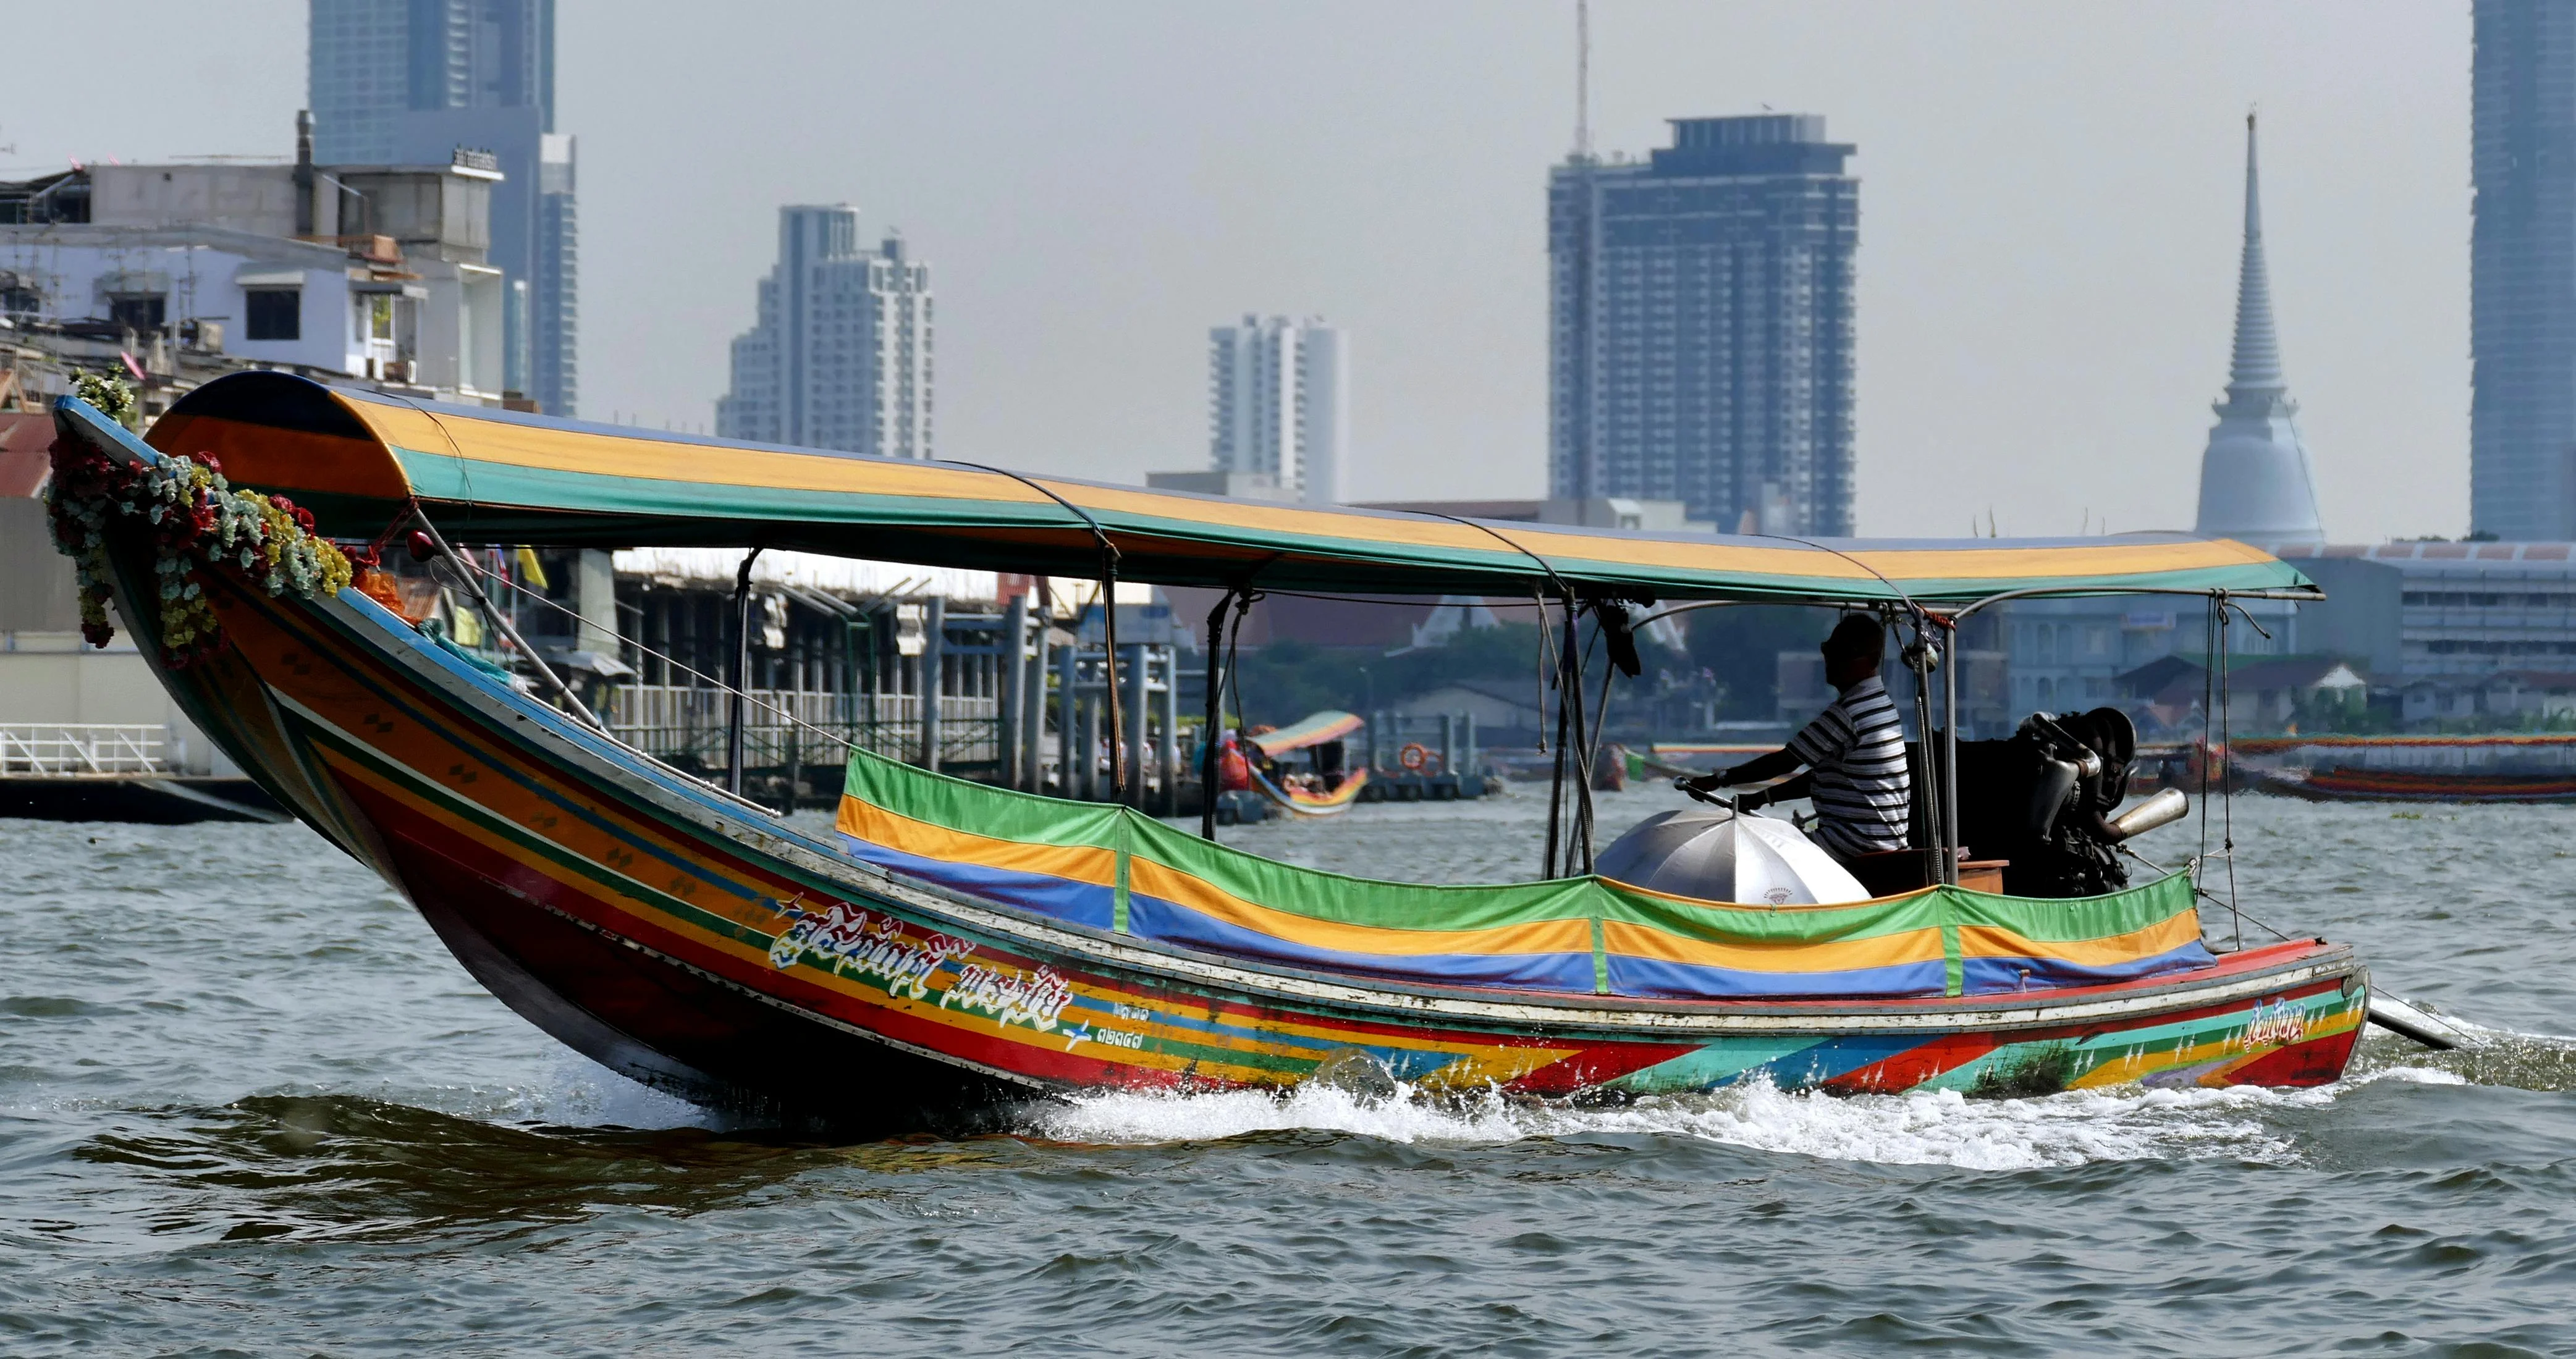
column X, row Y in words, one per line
column 1583, row 80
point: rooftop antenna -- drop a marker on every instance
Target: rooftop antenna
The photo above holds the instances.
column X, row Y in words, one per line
column 1583, row 80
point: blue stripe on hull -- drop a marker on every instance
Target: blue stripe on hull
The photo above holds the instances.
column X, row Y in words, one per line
column 1659, row 979
column 1990, row 976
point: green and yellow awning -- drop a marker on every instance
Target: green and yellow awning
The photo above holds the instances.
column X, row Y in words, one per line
column 356, row 457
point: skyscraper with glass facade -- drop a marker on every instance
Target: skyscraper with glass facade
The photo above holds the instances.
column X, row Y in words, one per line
column 2522, row 269
column 1701, row 325
column 411, row 81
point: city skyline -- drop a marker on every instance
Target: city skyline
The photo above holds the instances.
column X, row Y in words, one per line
column 2048, row 269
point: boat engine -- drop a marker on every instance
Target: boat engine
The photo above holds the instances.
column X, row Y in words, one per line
column 2045, row 801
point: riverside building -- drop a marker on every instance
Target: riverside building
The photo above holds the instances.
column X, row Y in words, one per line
column 1701, row 325
column 1279, row 405
column 177, row 273
column 406, row 82
column 840, row 356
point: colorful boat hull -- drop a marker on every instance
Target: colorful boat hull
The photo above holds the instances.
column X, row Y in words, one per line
column 2345, row 784
column 701, row 945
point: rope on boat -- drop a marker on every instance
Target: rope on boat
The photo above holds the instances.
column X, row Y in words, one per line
column 1556, row 789
column 2192, row 868
column 1108, row 619
column 470, row 573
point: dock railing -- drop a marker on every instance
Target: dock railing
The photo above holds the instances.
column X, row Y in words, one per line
column 74, row 749
column 676, row 721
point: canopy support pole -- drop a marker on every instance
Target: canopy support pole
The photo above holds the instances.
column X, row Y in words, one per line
column 737, row 670
column 1592, row 750
column 1138, row 702
column 1071, row 780
column 1569, row 712
column 1953, row 851
column 1032, row 731
column 1215, row 713
column 1919, row 659
column 1109, row 659
column 1011, row 689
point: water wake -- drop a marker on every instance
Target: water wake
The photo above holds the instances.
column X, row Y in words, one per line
column 1925, row 1128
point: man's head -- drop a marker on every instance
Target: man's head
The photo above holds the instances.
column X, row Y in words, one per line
column 1853, row 650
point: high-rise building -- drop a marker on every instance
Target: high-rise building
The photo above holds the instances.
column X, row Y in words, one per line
column 1279, row 403
column 408, row 82
column 1701, row 325
column 2256, row 484
column 840, row 356
column 2522, row 270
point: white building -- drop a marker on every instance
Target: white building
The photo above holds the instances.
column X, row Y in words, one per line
column 370, row 272
column 841, row 354
column 1279, row 403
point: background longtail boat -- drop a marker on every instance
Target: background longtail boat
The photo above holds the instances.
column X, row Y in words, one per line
column 956, row 948
column 2536, row 767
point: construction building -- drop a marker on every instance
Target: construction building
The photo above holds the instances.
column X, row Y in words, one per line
column 174, row 274
column 402, row 82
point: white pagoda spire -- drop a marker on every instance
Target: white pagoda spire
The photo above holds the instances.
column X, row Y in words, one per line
column 2255, row 481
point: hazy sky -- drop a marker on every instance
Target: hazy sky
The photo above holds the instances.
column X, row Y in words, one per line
column 2050, row 202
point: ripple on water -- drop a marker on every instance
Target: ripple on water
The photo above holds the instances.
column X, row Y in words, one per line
column 247, row 1099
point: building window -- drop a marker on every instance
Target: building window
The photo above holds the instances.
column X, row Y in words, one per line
column 19, row 297
column 142, row 315
column 273, row 314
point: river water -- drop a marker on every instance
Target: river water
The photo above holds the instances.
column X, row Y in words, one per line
column 249, row 1105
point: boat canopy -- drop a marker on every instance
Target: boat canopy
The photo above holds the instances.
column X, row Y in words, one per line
column 356, row 457
column 1312, row 730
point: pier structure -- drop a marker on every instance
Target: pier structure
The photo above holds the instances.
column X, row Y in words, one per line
column 1422, row 758
column 965, row 673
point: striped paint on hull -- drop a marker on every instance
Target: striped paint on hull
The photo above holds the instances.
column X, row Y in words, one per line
column 700, row 945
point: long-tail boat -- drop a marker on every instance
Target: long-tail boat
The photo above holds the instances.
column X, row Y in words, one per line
column 955, row 947
column 2336, row 768
column 1314, row 735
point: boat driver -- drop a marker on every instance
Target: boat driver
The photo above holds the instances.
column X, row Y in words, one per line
column 1853, row 754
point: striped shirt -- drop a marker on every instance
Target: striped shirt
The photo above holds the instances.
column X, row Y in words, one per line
column 1855, row 753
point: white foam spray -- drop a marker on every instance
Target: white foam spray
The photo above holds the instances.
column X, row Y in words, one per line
column 1923, row 1128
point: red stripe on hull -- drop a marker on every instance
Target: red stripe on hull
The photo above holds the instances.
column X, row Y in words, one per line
column 1920, row 1063
column 2318, row 1061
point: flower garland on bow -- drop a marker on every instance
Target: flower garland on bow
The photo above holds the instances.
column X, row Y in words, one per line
column 199, row 521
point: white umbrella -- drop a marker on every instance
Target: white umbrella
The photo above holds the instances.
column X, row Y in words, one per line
column 1714, row 855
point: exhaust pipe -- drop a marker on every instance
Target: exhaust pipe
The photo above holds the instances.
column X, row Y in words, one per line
column 2163, row 809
